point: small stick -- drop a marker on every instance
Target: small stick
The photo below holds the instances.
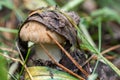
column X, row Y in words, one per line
column 69, row 56
column 110, row 49
column 61, row 66
column 103, row 52
column 9, row 50
column 20, row 62
column 19, row 52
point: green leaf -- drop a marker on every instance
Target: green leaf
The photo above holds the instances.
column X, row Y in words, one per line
column 46, row 73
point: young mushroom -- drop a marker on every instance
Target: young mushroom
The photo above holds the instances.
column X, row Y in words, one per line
column 51, row 21
column 37, row 33
column 36, row 28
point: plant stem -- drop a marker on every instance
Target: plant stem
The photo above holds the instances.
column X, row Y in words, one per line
column 99, row 34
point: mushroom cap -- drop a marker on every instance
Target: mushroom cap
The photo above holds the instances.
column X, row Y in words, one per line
column 48, row 20
column 37, row 33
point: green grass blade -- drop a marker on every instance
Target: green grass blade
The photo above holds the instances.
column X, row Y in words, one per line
column 95, row 67
column 110, row 64
column 71, row 4
column 28, row 53
column 99, row 34
column 2, row 29
column 106, row 14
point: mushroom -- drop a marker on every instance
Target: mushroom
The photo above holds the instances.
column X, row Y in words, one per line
column 51, row 21
column 37, row 33
column 35, row 29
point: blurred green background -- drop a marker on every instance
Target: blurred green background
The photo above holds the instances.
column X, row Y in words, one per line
column 93, row 13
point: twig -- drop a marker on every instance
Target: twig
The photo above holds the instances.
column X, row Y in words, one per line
column 110, row 49
column 61, row 66
column 18, row 60
column 105, row 51
column 8, row 49
column 69, row 56
column 19, row 52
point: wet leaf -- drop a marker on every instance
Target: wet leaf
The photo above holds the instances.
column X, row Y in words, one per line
column 45, row 73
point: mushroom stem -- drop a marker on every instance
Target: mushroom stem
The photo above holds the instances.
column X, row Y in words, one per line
column 40, row 53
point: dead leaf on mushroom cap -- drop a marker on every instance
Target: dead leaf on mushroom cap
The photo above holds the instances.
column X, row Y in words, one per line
column 54, row 22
